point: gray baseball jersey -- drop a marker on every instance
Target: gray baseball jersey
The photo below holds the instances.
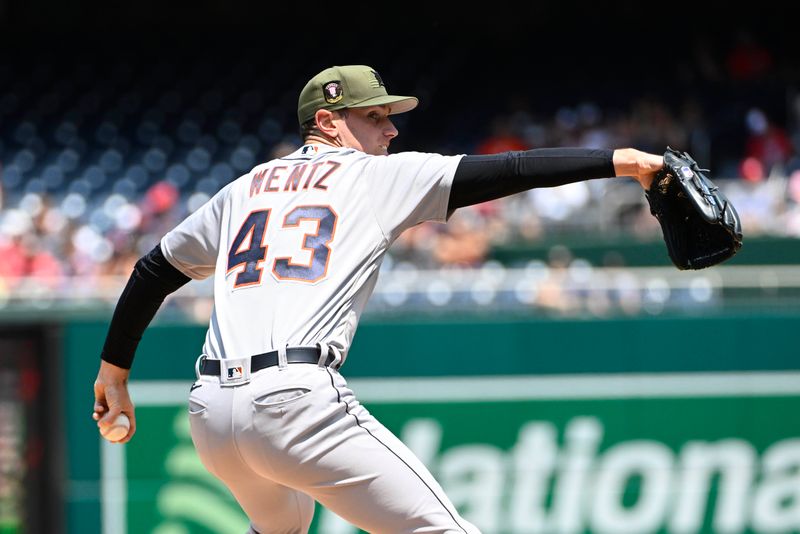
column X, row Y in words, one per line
column 297, row 243
column 295, row 247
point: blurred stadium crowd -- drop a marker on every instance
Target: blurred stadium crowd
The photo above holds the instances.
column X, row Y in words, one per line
column 99, row 159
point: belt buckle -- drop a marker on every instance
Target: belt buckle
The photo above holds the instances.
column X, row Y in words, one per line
column 234, row 372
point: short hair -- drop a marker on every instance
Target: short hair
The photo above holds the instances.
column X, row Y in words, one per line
column 310, row 126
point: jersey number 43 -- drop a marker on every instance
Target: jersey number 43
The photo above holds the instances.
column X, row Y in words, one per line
column 249, row 248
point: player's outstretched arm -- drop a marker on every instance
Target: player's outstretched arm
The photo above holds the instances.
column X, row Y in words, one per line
column 482, row 178
column 152, row 279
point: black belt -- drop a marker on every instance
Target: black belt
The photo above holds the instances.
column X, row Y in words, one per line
column 270, row 359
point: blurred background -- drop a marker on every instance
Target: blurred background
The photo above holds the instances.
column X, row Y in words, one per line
column 539, row 352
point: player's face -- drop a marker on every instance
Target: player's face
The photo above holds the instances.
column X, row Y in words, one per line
column 367, row 129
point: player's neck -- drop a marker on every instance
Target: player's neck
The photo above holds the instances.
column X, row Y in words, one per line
column 313, row 139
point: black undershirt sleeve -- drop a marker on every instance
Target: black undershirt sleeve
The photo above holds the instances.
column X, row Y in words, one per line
column 481, row 178
column 152, row 279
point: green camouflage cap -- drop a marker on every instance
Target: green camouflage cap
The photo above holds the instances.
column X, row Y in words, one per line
column 351, row 86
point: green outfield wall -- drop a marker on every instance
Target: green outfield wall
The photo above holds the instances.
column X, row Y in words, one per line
column 629, row 250
column 531, row 425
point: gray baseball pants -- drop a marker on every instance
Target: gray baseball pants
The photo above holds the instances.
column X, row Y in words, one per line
column 295, row 434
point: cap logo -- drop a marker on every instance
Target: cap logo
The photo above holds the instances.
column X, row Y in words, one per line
column 332, row 92
column 378, row 80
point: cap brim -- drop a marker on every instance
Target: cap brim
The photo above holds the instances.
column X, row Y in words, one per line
column 398, row 104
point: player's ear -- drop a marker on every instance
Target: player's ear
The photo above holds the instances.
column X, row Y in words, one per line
column 325, row 122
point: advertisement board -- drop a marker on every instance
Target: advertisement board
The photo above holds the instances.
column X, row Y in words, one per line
column 623, row 453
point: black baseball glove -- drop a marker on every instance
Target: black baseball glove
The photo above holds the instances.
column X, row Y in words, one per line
column 701, row 227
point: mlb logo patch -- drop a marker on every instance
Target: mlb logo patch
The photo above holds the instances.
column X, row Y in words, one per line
column 235, row 372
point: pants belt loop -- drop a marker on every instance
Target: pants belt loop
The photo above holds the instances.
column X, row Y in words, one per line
column 282, row 363
column 337, row 357
column 197, row 364
column 323, row 354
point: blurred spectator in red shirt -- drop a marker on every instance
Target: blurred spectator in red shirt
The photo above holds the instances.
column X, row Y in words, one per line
column 12, row 259
column 42, row 263
column 767, row 145
column 502, row 138
column 748, row 60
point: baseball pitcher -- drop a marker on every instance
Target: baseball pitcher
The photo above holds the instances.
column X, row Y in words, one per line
column 295, row 247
